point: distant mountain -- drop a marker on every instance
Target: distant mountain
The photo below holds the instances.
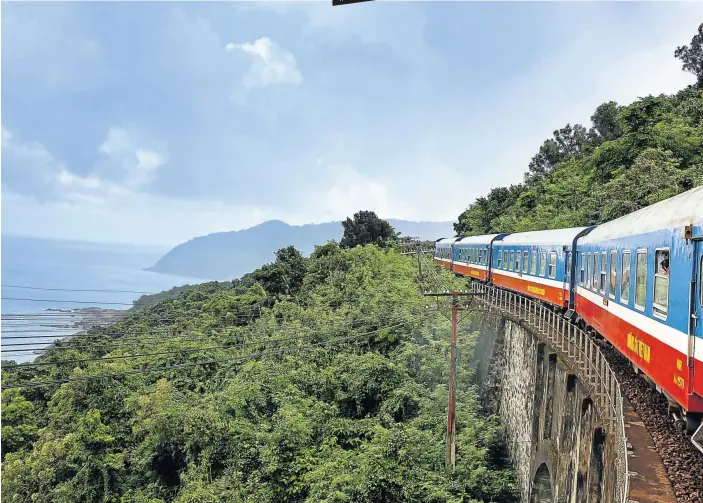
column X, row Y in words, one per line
column 228, row 255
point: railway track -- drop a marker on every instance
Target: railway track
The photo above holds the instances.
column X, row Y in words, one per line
column 683, row 462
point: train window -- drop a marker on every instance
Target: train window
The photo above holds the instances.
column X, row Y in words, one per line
column 594, row 273
column 613, row 273
column 512, row 260
column 700, row 279
column 625, row 279
column 518, row 259
column 588, row 270
column 603, row 259
column 661, row 283
column 582, row 278
column 525, row 261
column 641, row 279
column 533, row 262
column 505, row 260
column 542, row 262
column 553, row 265
column 499, row 261
column 567, row 267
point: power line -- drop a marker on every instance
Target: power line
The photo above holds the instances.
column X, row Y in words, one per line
column 139, row 339
column 162, row 353
column 69, row 301
column 187, row 365
column 76, row 290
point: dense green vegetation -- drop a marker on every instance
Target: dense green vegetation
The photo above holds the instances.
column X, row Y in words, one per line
column 632, row 156
column 339, row 395
column 366, row 228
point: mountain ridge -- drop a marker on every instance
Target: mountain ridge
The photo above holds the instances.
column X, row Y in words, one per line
column 230, row 254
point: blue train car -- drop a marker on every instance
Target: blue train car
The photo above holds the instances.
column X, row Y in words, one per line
column 472, row 255
column 537, row 263
column 639, row 285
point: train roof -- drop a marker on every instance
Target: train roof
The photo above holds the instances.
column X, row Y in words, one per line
column 677, row 211
column 484, row 239
column 447, row 241
column 553, row 237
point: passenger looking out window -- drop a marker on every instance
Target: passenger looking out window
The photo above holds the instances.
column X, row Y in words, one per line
column 661, row 284
column 625, row 280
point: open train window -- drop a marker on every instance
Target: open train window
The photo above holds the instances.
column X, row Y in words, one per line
column 533, row 262
column 542, row 262
column 594, row 273
column 505, row 260
column 641, row 279
column 583, row 278
column 588, row 270
column 499, row 259
column 603, row 260
column 553, row 265
column 518, row 259
column 512, row 260
column 613, row 273
column 625, row 278
column 660, row 306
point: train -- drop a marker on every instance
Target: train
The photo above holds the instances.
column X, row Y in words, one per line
column 636, row 281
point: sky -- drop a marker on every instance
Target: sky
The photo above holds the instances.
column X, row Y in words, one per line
column 152, row 123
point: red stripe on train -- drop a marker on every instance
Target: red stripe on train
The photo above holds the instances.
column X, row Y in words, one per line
column 662, row 363
column 551, row 294
column 472, row 272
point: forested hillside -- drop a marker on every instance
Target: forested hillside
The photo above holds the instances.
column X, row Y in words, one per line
column 309, row 380
column 630, row 157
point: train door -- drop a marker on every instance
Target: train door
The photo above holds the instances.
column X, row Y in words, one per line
column 567, row 270
column 696, row 331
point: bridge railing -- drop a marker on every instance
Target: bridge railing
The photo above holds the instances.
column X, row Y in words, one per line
column 581, row 354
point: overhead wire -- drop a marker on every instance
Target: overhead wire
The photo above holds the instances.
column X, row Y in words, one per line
column 139, row 339
column 162, row 353
column 185, row 365
column 23, row 287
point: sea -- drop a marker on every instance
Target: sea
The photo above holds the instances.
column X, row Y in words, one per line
column 44, row 282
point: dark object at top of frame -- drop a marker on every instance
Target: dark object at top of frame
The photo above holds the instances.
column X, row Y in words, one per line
column 344, row 2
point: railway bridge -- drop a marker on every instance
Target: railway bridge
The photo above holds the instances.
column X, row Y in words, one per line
column 571, row 434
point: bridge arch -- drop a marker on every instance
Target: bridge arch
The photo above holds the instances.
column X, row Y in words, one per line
column 542, row 491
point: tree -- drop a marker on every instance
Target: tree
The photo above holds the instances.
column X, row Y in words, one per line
column 605, row 123
column 653, row 177
column 367, row 228
column 479, row 218
column 568, row 142
column 285, row 275
column 692, row 56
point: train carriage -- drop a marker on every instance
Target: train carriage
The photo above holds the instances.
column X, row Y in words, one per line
column 639, row 285
column 472, row 257
column 536, row 263
column 443, row 253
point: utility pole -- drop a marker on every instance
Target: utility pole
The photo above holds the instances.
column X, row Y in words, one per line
column 419, row 259
column 450, row 450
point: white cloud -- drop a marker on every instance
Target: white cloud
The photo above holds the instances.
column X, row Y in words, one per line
column 271, row 65
column 126, row 162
